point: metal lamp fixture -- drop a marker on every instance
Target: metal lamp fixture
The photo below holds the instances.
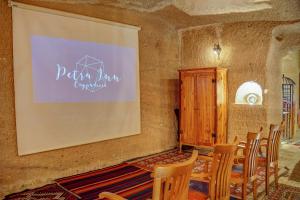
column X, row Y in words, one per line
column 217, row 50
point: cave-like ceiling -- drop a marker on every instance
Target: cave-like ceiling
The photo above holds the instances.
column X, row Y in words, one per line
column 187, row 13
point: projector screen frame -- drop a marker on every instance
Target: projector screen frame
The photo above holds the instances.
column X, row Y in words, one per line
column 68, row 14
column 91, row 19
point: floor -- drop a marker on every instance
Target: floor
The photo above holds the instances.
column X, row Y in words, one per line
column 289, row 157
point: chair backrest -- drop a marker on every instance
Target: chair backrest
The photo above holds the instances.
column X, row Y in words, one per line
column 172, row 181
column 274, row 141
column 251, row 153
column 223, row 157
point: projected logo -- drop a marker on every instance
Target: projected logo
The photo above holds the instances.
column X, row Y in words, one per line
column 66, row 70
column 88, row 75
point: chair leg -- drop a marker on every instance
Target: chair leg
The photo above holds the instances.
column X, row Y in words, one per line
column 244, row 191
column 276, row 175
column 254, row 190
column 267, row 179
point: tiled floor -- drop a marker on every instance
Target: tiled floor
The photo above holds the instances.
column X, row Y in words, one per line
column 289, row 157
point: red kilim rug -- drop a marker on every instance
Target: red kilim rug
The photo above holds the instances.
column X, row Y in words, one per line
column 126, row 180
column 48, row 192
column 168, row 157
column 130, row 180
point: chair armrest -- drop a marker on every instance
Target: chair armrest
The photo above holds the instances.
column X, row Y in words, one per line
column 240, row 146
column 110, row 196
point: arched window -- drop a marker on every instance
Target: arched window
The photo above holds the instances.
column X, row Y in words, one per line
column 249, row 93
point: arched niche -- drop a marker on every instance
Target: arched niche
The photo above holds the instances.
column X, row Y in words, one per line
column 249, row 93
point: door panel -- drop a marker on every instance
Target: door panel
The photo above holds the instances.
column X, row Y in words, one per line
column 187, row 109
column 205, row 108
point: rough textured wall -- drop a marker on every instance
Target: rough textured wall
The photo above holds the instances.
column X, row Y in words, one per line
column 245, row 47
column 280, row 10
column 284, row 39
column 158, row 43
column 291, row 68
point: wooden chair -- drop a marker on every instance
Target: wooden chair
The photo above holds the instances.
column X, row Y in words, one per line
column 270, row 158
column 171, row 181
column 219, row 174
column 245, row 165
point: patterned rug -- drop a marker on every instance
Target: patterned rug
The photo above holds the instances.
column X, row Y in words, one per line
column 284, row 192
column 174, row 156
column 168, row 157
column 131, row 180
column 47, row 192
column 126, row 180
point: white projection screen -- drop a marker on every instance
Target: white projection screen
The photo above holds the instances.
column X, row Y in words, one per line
column 76, row 79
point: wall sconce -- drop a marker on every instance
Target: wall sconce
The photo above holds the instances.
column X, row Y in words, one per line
column 217, row 50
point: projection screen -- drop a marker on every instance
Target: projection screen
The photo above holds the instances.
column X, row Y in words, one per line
column 76, row 79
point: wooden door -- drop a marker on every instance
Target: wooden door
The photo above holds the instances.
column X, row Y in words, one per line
column 205, row 107
column 187, row 101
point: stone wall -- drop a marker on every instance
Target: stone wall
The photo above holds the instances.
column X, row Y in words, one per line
column 291, row 68
column 250, row 50
column 285, row 38
column 245, row 47
column 159, row 61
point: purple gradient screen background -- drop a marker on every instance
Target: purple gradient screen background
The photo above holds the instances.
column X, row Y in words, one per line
column 48, row 52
